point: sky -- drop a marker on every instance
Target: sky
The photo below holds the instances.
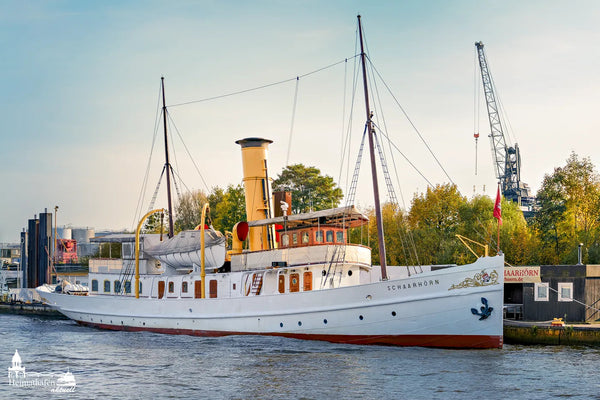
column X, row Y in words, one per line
column 81, row 86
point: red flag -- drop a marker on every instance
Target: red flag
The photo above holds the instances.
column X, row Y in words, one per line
column 498, row 208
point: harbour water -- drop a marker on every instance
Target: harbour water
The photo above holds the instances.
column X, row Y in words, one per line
column 141, row 365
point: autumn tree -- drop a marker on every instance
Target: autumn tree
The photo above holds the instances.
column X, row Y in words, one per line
column 310, row 190
column 434, row 219
column 569, row 210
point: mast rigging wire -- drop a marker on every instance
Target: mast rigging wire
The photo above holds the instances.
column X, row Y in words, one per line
column 348, row 141
column 409, row 120
column 188, row 153
column 141, row 197
column 263, row 86
column 403, row 155
column 287, row 160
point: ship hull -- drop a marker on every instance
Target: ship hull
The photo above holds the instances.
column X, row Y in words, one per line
column 442, row 341
column 440, row 308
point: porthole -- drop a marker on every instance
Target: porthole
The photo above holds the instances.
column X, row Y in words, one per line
column 349, row 273
column 360, row 317
column 281, row 324
column 323, row 273
column 393, row 313
column 299, row 323
column 325, row 321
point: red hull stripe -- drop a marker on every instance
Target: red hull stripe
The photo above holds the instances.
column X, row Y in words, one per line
column 445, row 341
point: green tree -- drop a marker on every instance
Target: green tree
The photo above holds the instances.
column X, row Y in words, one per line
column 231, row 208
column 156, row 223
column 434, row 219
column 189, row 210
column 517, row 240
column 310, row 189
column 569, row 211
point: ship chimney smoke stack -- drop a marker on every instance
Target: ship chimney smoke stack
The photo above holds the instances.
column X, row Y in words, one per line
column 258, row 191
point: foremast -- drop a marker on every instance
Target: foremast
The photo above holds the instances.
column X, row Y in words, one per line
column 167, row 164
column 382, row 256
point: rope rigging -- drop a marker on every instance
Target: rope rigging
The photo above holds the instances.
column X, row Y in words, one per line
column 188, row 153
column 287, row 160
column 410, row 122
column 138, row 210
column 262, row 86
column 404, row 236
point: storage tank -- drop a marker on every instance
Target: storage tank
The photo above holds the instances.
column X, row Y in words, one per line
column 64, row 233
column 82, row 235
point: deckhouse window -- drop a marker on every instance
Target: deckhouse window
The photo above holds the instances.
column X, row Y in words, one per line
column 339, row 237
column 305, row 238
column 117, row 286
column 94, row 285
column 285, row 240
column 107, row 286
column 319, row 236
column 294, row 238
column 127, row 287
column 184, row 287
column 171, row 287
column 127, row 249
column 329, row 237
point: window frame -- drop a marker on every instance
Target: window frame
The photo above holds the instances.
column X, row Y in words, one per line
column 106, row 281
column 305, row 237
column 536, row 287
column 565, row 285
column 319, row 236
column 329, row 234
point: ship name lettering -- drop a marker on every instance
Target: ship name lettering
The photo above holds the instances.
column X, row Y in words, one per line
column 418, row 284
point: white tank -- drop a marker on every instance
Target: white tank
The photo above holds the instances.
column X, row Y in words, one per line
column 83, row 235
column 64, row 233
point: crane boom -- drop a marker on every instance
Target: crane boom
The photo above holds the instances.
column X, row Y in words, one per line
column 507, row 159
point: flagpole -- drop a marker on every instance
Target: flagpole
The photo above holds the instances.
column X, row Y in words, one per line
column 498, row 248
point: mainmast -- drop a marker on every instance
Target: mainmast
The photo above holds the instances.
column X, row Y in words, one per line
column 373, row 164
column 167, row 164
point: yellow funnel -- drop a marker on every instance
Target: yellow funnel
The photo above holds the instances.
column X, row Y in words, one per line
column 258, row 191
